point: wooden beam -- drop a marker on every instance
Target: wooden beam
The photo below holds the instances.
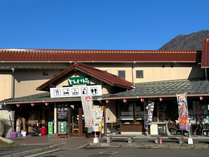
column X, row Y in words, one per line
column 80, row 122
column 69, row 121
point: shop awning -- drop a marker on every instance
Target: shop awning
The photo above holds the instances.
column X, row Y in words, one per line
column 168, row 88
column 142, row 90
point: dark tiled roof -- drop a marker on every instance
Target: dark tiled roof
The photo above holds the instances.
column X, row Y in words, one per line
column 59, row 55
column 205, row 54
column 106, row 77
column 168, row 88
column 39, row 98
column 143, row 90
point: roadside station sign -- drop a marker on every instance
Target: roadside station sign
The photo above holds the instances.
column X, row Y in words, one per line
column 76, row 91
column 78, row 80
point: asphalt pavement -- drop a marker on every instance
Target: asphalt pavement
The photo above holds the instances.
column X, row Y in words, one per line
column 26, row 146
column 128, row 152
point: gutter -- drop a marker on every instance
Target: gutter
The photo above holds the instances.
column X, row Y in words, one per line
column 99, row 61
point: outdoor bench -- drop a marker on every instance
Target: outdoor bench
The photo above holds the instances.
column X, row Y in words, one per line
column 111, row 137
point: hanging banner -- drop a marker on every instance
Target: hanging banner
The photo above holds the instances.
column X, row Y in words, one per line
column 98, row 116
column 148, row 114
column 183, row 111
column 87, row 109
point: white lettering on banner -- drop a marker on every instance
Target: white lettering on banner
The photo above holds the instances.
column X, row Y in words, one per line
column 87, row 109
column 76, row 91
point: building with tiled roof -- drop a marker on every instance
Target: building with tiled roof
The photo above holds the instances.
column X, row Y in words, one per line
column 129, row 80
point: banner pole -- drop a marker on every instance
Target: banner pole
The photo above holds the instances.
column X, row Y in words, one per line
column 190, row 140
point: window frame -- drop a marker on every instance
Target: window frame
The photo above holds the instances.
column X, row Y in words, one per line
column 124, row 73
column 140, row 74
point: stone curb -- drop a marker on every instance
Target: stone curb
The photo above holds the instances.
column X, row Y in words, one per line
column 151, row 146
column 6, row 140
column 34, row 151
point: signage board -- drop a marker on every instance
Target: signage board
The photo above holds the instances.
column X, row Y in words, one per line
column 50, row 128
column 76, row 91
column 62, row 111
column 62, row 127
column 78, row 80
column 98, row 116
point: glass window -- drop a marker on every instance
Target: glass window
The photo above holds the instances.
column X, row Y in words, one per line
column 139, row 74
column 130, row 111
column 121, row 73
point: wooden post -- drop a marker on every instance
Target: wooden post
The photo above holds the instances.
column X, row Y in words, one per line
column 105, row 124
column 134, row 112
column 56, row 120
column 69, row 121
column 80, row 122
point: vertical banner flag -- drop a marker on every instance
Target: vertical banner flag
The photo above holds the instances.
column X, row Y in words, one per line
column 87, row 109
column 183, row 111
column 148, row 114
column 98, row 115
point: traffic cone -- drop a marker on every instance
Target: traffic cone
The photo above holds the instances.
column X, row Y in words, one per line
column 160, row 140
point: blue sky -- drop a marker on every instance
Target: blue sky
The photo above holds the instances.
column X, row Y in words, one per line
column 99, row 24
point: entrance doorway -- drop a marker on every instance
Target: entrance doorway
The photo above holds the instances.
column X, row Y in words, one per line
column 76, row 121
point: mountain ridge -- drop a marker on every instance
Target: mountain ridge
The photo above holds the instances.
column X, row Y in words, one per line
column 191, row 41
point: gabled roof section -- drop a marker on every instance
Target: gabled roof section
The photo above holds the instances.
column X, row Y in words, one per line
column 205, row 54
column 106, row 77
column 97, row 56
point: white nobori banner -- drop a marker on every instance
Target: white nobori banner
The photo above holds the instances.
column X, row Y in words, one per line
column 76, row 91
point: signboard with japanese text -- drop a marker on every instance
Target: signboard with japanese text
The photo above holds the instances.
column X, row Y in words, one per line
column 78, row 81
column 62, row 111
column 62, row 127
column 87, row 109
column 76, row 91
column 98, row 117
column 183, row 111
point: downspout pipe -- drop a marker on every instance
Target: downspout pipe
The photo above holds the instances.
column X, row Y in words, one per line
column 133, row 66
column 13, row 82
column 206, row 74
